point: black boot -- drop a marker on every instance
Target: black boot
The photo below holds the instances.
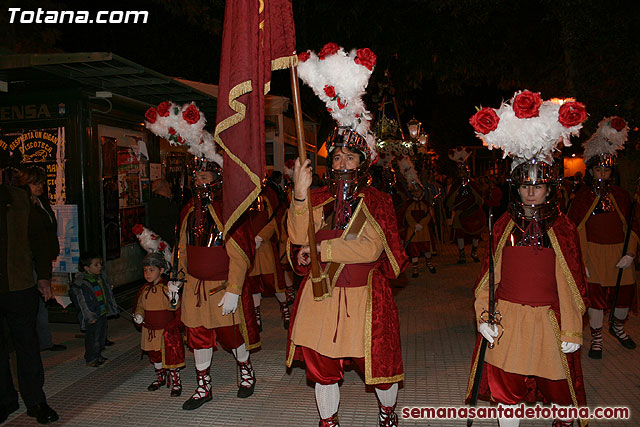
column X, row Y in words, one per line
column 462, row 259
column 247, row 379
column 176, row 383
column 161, row 380
column 415, row 270
column 203, row 391
column 286, row 314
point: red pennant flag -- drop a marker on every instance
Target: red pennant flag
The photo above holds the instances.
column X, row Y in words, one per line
column 258, row 37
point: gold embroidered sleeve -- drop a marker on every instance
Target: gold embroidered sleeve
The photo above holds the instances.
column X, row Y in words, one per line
column 570, row 315
column 367, row 247
column 298, row 222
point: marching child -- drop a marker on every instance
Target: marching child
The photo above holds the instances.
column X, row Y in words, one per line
column 161, row 337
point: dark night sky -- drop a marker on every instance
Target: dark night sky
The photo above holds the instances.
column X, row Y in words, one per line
column 445, row 56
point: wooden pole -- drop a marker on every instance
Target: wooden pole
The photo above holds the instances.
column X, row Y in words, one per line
column 318, row 281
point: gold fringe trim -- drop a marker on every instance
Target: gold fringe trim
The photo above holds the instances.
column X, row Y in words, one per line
column 376, row 226
column 284, row 62
column 484, row 282
column 292, row 350
column 368, row 375
column 239, row 116
column 563, row 359
column 567, row 273
column 328, row 250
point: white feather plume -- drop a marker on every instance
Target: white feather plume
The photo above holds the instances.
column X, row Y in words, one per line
column 605, row 140
column 529, row 138
column 151, row 242
column 174, row 127
column 350, row 81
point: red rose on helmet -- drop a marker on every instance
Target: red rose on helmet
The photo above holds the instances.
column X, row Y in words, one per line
column 618, row 123
column 340, row 104
column 330, row 91
column 527, row 104
column 303, row 56
column 328, row 49
column 366, row 58
column 571, row 114
column 137, row 229
column 191, row 115
column 163, row 109
column 162, row 246
column 172, row 131
column 485, row 120
column 151, row 115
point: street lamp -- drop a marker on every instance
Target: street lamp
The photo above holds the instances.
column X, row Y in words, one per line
column 414, row 128
column 423, row 138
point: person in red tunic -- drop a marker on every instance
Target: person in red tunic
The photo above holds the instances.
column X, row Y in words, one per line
column 419, row 220
column 161, row 337
column 540, row 289
column 267, row 275
column 216, row 306
column 465, row 201
column 600, row 211
column 359, row 250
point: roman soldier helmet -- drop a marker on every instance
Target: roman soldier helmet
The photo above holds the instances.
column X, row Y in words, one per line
column 184, row 126
column 340, row 79
column 528, row 130
column 460, row 156
column 602, row 147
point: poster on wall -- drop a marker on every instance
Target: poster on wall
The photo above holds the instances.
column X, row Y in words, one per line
column 43, row 148
column 67, row 217
column 129, row 217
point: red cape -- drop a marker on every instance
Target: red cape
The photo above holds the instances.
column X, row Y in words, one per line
column 582, row 205
column 569, row 243
column 384, row 362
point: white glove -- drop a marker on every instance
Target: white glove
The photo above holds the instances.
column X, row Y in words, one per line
column 625, row 262
column 569, row 347
column 138, row 319
column 229, row 302
column 259, row 241
column 174, row 288
column 489, row 332
column 586, row 270
column 419, row 227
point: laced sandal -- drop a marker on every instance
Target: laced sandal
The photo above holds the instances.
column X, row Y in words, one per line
column 617, row 330
column 176, row 383
column 474, row 255
column 462, row 259
column 332, row 421
column 290, row 293
column 203, row 392
column 387, row 416
column 595, row 352
column 259, row 319
column 286, row 314
column 161, row 379
column 247, row 379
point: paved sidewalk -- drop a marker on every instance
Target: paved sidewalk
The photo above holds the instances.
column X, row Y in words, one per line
column 438, row 334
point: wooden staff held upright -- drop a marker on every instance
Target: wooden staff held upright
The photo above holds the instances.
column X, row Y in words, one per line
column 318, row 280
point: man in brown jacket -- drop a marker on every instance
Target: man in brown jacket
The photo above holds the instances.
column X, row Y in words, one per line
column 19, row 303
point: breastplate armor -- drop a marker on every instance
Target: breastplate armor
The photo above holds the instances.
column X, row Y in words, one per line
column 206, row 234
column 604, row 205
